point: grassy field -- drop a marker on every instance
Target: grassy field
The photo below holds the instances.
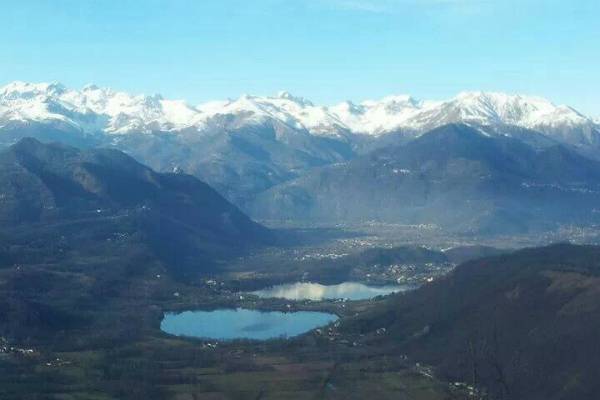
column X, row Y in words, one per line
column 182, row 370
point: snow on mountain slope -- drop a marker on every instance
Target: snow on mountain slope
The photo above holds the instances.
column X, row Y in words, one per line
column 95, row 110
column 296, row 112
column 405, row 113
column 499, row 108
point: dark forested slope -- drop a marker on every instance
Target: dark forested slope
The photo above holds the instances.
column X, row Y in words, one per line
column 523, row 325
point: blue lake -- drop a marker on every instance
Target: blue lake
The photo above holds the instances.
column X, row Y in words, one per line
column 228, row 324
column 315, row 291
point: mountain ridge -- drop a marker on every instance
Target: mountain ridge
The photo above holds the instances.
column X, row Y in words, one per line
column 111, row 197
column 245, row 146
column 454, row 176
column 93, row 109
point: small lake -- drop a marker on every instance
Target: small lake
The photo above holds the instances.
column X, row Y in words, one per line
column 228, row 324
column 315, row 291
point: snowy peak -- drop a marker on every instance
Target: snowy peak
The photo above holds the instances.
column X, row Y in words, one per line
column 376, row 117
column 296, row 112
column 299, row 100
column 24, row 90
column 526, row 111
column 405, row 113
column 102, row 110
column 93, row 109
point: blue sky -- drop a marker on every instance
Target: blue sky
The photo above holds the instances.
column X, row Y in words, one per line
column 325, row 50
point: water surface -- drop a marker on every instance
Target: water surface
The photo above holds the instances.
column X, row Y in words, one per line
column 316, row 291
column 227, row 324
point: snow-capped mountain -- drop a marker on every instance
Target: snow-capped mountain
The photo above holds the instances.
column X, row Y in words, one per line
column 245, row 146
column 92, row 109
column 99, row 110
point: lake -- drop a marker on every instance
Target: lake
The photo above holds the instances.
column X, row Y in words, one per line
column 228, row 324
column 315, row 291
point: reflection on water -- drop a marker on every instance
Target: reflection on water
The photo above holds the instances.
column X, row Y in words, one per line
column 243, row 324
column 315, row 291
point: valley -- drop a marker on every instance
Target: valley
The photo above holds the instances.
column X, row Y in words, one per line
column 115, row 342
column 125, row 345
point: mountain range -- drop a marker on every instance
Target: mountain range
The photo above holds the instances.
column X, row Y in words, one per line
column 95, row 246
column 454, row 177
column 94, row 110
column 282, row 157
